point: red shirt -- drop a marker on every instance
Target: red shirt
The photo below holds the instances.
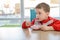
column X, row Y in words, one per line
column 55, row 24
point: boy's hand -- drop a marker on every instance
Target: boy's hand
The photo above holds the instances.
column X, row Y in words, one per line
column 44, row 27
column 28, row 23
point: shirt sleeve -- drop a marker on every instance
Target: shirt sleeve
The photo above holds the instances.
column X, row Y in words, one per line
column 56, row 25
column 24, row 24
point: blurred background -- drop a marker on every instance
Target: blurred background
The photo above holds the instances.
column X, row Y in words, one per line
column 14, row 12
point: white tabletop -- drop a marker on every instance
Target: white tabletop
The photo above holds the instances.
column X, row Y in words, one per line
column 17, row 33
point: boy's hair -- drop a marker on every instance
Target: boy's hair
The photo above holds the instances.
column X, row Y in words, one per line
column 45, row 7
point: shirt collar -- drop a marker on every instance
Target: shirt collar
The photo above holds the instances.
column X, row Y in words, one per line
column 44, row 21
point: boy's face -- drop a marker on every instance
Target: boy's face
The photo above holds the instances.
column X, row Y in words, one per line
column 41, row 14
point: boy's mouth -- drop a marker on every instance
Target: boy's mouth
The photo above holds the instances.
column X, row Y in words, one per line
column 38, row 19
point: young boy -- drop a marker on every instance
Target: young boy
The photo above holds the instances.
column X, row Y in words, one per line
column 42, row 15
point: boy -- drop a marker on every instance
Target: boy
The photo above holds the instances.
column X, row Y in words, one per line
column 42, row 15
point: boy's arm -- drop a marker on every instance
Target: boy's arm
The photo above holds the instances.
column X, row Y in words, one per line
column 56, row 25
column 24, row 26
column 53, row 26
column 44, row 27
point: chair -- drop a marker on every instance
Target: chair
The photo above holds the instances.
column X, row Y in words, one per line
column 32, row 14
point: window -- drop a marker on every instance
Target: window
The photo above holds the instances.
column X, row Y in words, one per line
column 9, row 7
column 54, row 10
column 10, row 12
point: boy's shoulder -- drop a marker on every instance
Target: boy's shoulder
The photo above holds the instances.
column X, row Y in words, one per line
column 54, row 19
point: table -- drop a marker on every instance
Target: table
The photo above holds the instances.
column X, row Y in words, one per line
column 17, row 33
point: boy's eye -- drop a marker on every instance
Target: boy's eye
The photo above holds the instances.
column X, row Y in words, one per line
column 39, row 13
